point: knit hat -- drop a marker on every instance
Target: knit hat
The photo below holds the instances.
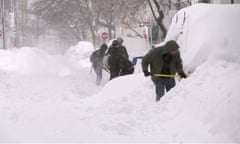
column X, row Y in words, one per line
column 120, row 40
column 115, row 42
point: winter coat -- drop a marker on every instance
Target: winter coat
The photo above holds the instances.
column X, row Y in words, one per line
column 126, row 66
column 114, row 58
column 97, row 57
column 154, row 58
column 123, row 52
column 118, row 61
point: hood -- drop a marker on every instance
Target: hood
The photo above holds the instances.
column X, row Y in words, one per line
column 170, row 46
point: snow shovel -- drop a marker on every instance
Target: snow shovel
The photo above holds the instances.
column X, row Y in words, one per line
column 166, row 75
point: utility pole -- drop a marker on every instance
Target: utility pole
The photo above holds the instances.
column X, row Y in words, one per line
column 3, row 25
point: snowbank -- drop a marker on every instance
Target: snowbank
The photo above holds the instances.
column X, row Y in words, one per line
column 32, row 60
column 80, row 53
column 54, row 108
column 37, row 96
column 202, row 108
column 207, row 31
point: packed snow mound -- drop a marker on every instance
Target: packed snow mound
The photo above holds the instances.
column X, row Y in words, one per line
column 53, row 108
column 207, row 30
column 80, row 53
column 81, row 50
column 207, row 102
column 29, row 60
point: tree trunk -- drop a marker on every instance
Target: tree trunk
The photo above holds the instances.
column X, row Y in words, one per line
column 158, row 19
column 133, row 30
column 178, row 5
column 3, row 24
column 110, row 33
column 16, row 44
column 204, row 1
column 169, row 4
column 93, row 35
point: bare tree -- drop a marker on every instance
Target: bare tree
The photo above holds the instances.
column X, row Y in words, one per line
column 21, row 22
column 160, row 9
column 204, row 1
column 115, row 12
column 83, row 16
column 63, row 15
column 158, row 16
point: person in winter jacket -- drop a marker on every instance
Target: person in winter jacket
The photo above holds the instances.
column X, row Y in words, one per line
column 118, row 62
column 96, row 59
column 163, row 60
column 126, row 66
column 114, row 59
column 123, row 50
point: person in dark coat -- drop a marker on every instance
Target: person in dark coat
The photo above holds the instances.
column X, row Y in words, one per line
column 118, row 62
column 96, row 59
column 123, row 50
column 126, row 66
column 163, row 60
column 114, row 59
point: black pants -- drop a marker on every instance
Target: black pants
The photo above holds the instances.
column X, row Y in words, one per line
column 113, row 74
column 163, row 83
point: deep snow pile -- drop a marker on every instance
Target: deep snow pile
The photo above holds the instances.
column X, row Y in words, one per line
column 40, row 95
column 32, row 60
column 80, row 53
column 207, row 31
column 47, row 107
column 31, row 73
column 202, row 108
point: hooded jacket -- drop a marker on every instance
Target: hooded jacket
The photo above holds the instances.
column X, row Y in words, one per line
column 97, row 56
column 154, row 58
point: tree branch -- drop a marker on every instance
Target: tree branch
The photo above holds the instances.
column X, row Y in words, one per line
column 138, row 34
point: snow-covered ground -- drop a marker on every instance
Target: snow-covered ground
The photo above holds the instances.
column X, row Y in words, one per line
column 53, row 98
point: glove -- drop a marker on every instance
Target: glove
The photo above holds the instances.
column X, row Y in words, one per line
column 183, row 75
column 146, row 73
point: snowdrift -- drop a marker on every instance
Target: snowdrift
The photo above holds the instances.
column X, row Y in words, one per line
column 48, row 107
column 202, row 108
column 205, row 31
column 29, row 60
column 80, row 53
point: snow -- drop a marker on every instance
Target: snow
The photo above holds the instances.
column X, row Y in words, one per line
column 53, row 98
column 80, row 53
column 32, row 60
column 207, row 31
